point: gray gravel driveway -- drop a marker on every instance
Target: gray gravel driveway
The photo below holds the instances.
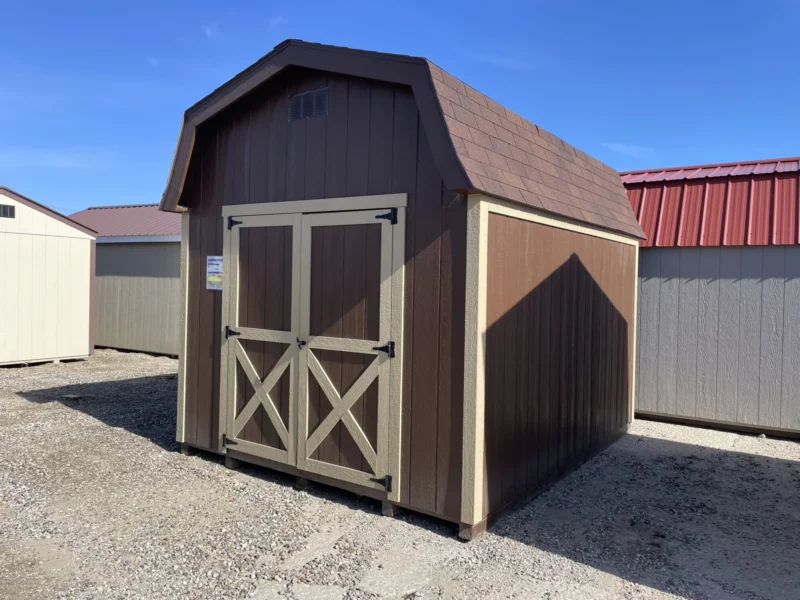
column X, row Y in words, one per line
column 96, row 502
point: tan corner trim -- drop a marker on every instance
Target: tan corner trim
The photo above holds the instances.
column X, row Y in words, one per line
column 322, row 205
column 179, row 433
column 396, row 389
column 472, row 480
column 526, row 213
column 635, row 330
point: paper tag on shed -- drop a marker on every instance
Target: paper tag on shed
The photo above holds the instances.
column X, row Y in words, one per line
column 213, row 272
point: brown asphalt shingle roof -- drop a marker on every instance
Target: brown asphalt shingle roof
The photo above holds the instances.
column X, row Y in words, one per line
column 507, row 156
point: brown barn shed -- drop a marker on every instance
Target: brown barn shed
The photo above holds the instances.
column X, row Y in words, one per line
column 426, row 298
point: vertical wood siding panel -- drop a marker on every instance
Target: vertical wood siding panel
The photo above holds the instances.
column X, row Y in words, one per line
column 404, row 169
column 749, row 337
column 427, row 260
column 315, row 146
column 358, row 138
column 647, row 339
column 381, row 142
column 728, row 336
column 667, row 332
column 545, row 243
column 790, row 379
column 451, row 360
column 707, row 332
column 772, row 285
column 687, row 330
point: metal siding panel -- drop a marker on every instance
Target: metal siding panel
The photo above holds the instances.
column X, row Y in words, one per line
column 772, row 284
column 668, row 332
column 707, row 331
column 713, row 211
column 647, row 335
column 790, row 377
column 689, row 226
column 730, row 269
column 687, row 331
column 648, row 216
column 668, row 219
column 635, row 197
column 760, row 209
column 736, row 212
column 784, row 228
column 749, row 337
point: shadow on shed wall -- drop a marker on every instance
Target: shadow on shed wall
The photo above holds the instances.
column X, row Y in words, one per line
column 557, row 382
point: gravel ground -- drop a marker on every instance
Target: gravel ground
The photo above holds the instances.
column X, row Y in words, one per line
column 96, row 502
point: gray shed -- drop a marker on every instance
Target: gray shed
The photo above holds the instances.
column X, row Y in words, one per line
column 138, row 277
column 719, row 294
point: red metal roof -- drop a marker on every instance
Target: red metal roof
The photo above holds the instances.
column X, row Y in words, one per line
column 752, row 203
column 136, row 220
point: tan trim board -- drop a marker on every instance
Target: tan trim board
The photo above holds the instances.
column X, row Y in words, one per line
column 181, row 422
column 474, row 361
column 321, row 205
column 517, row 211
column 632, row 401
column 396, row 365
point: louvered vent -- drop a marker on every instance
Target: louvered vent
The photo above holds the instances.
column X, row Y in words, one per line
column 308, row 105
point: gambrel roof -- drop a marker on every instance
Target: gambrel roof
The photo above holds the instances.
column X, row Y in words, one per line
column 477, row 144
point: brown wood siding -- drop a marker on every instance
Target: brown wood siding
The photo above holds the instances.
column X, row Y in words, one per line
column 559, row 352
column 372, row 142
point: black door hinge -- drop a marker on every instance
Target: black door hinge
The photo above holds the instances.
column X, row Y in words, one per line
column 233, row 222
column 384, row 481
column 388, row 348
column 230, row 332
column 391, row 216
column 226, row 441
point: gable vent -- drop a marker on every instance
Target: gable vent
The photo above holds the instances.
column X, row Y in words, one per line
column 308, row 105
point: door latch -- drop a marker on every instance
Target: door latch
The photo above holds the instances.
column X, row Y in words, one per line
column 386, row 482
column 300, row 343
column 230, row 332
column 388, row 348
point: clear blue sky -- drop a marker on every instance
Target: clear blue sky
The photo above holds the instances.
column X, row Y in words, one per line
column 91, row 94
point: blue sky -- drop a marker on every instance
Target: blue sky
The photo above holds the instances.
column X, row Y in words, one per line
column 91, row 93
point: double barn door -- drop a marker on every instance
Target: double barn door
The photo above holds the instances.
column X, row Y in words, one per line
column 312, row 317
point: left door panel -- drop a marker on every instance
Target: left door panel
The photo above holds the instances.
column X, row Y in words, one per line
column 261, row 319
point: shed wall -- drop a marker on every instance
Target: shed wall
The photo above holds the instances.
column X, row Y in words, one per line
column 719, row 335
column 138, row 296
column 372, row 142
column 46, row 290
column 559, row 353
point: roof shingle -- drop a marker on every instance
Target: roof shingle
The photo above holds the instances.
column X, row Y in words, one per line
column 508, row 156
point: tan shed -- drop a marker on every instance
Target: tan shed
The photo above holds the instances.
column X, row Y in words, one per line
column 425, row 298
column 47, row 294
column 138, row 271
